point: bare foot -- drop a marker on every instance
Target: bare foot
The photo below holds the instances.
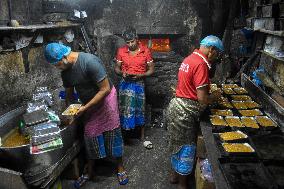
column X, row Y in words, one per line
column 173, row 178
column 182, row 187
column 182, row 182
column 127, row 141
column 142, row 133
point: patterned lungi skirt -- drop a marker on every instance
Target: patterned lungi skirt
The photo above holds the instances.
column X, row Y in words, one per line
column 183, row 121
column 131, row 104
column 110, row 144
column 102, row 132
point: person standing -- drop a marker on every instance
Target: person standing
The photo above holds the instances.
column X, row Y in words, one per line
column 134, row 63
column 85, row 73
column 192, row 96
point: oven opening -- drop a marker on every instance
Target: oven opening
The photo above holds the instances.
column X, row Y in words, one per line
column 157, row 44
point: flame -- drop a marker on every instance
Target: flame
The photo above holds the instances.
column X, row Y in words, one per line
column 157, row 44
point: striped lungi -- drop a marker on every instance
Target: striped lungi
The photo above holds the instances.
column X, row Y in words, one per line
column 183, row 120
column 109, row 144
column 102, row 117
column 131, row 104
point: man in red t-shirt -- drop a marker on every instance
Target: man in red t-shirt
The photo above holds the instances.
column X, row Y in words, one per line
column 192, row 95
column 134, row 63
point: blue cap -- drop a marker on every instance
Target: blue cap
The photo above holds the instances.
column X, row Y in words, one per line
column 212, row 41
column 54, row 52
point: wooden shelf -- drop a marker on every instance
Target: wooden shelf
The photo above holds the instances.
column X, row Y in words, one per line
column 277, row 33
column 272, row 56
column 40, row 26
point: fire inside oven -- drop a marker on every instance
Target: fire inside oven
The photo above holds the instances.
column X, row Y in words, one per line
column 157, row 44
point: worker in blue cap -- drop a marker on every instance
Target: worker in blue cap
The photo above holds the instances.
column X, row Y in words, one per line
column 86, row 74
column 191, row 97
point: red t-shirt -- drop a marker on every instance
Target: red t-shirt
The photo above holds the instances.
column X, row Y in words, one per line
column 193, row 74
column 134, row 64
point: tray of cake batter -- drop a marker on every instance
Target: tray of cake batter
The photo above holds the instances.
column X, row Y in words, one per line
column 234, row 121
column 232, row 137
column 72, row 110
column 251, row 113
column 266, row 123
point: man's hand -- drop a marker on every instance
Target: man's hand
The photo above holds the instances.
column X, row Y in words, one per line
column 124, row 74
column 81, row 110
column 138, row 76
column 132, row 76
column 216, row 95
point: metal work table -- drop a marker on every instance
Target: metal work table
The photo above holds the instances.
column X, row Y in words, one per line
column 39, row 170
column 213, row 154
column 270, row 107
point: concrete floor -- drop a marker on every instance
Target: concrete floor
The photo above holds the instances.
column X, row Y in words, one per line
column 147, row 169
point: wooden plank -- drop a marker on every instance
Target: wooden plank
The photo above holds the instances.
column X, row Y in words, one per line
column 265, row 23
column 273, row 56
column 277, row 33
column 40, row 26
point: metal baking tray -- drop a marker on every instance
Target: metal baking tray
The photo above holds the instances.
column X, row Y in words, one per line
column 45, row 147
column 230, row 85
column 45, row 129
column 35, row 117
column 233, row 121
column 239, row 140
column 226, row 112
column 241, row 97
column 240, row 90
column 228, row 91
column 252, row 104
column 239, row 105
column 225, row 105
column 238, row 153
column 213, row 87
column 37, row 140
column 219, row 127
column 72, row 110
column 223, row 99
column 217, row 120
column 252, row 112
column 249, row 122
column 265, row 121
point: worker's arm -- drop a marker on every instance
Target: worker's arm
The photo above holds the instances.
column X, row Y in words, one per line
column 150, row 69
column 117, row 68
column 104, row 90
column 204, row 97
column 69, row 96
column 118, row 71
column 149, row 72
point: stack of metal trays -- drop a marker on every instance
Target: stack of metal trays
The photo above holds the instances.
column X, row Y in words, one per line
column 45, row 132
column 35, row 117
column 45, row 137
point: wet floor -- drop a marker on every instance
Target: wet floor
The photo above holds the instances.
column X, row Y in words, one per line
column 147, row 169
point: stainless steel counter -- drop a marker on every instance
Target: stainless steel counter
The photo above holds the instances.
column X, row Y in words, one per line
column 42, row 169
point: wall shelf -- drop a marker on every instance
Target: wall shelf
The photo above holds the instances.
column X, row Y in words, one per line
column 277, row 33
column 40, row 26
column 272, row 56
